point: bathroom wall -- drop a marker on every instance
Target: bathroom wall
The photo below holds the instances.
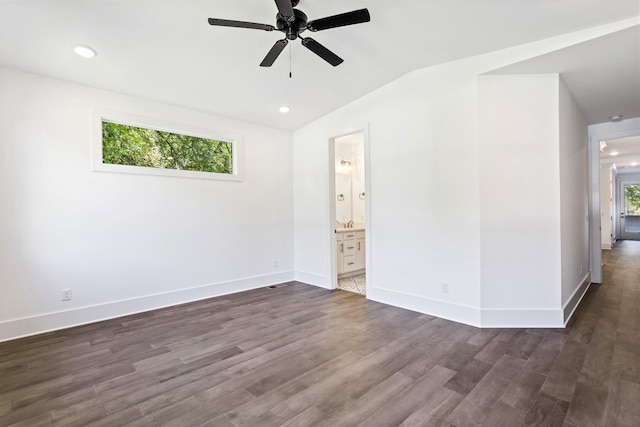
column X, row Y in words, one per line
column 350, row 201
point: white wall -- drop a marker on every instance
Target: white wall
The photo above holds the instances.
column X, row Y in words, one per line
column 520, row 197
column 423, row 233
column 424, row 197
column 124, row 242
column 574, row 206
column 343, row 180
column 358, row 187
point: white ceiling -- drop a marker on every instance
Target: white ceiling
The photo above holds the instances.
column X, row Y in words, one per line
column 603, row 74
column 166, row 51
column 622, row 152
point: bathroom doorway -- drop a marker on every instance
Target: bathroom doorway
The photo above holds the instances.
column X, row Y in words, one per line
column 349, row 212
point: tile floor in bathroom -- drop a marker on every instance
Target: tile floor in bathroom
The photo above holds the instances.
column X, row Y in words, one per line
column 355, row 284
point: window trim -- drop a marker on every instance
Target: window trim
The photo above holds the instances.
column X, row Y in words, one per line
column 99, row 115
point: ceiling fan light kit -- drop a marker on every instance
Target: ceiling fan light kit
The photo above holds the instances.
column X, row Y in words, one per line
column 292, row 22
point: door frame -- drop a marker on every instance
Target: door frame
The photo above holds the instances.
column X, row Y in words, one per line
column 621, row 180
column 367, row 203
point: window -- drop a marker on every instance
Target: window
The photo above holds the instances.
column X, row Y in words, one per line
column 137, row 145
column 632, row 199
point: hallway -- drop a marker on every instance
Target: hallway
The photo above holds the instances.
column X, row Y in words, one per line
column 602, row 353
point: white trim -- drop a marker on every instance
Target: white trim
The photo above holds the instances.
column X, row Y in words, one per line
column 620, row 180
column 333, row 254
column 312, row 279
column 474, row 316
column 38, row 324
column 582, row 291
column 522, row 318
column 100, row 114
column 443, row 309
column 368, row 242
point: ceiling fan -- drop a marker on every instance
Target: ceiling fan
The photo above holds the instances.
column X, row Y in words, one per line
column 292, row 22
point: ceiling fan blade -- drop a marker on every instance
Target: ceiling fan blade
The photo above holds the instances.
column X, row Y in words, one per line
column 274, row 53
column 354, row 17
column 240, row 24
column 286, row 9
column 322, row 51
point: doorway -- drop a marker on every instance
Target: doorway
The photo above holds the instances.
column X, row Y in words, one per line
column 628, row 201
column 608, row 151
column 349, row 212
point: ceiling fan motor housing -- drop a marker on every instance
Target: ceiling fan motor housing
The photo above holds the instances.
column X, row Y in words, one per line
column 292, row 28
column 292, row 23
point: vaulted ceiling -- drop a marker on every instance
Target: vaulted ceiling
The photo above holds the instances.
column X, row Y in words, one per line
column 166, row 51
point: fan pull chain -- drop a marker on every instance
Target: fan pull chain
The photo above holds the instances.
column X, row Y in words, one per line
column 290, row 75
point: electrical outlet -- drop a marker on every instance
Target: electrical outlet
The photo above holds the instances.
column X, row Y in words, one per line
column 275, row 263
column 445, row 288
column 66, row 294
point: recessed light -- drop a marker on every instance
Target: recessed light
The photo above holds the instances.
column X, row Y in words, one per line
column 616, row 118
column 614, row 153
column 634, row 163
column 284, row 109
column 85, row 51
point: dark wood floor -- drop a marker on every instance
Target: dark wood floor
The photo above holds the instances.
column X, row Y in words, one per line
column 298, row 355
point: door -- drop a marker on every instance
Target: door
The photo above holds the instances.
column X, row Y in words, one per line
column 630, row 215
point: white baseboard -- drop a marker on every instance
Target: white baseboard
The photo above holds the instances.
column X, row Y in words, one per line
column 572, row 304
column 32, row 325
column 482, row 318
column 522, row 318
column 444, row 309
column 606, row 246
column 312, row 279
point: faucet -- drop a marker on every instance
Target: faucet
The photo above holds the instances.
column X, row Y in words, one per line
column 350, row 224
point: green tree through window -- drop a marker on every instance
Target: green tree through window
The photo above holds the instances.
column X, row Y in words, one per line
column 632, row 199
column 136, row 146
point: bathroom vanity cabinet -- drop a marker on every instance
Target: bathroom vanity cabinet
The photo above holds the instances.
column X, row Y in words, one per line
column 350, row 251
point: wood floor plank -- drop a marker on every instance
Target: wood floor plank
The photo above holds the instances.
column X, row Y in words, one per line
column 355, row 411
column 435, row 410
column 79, row 414
column 622, row 407
column 523, row 390
column 503, row 415
column 596, row 367
column 310, row 417
column 402, row 406
column 477, row 405
column 247, row 415
column 5, row 407
column 587, row 406
column 546, row 412
column 300, row 355
column 121, row 418
column 525, row 345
